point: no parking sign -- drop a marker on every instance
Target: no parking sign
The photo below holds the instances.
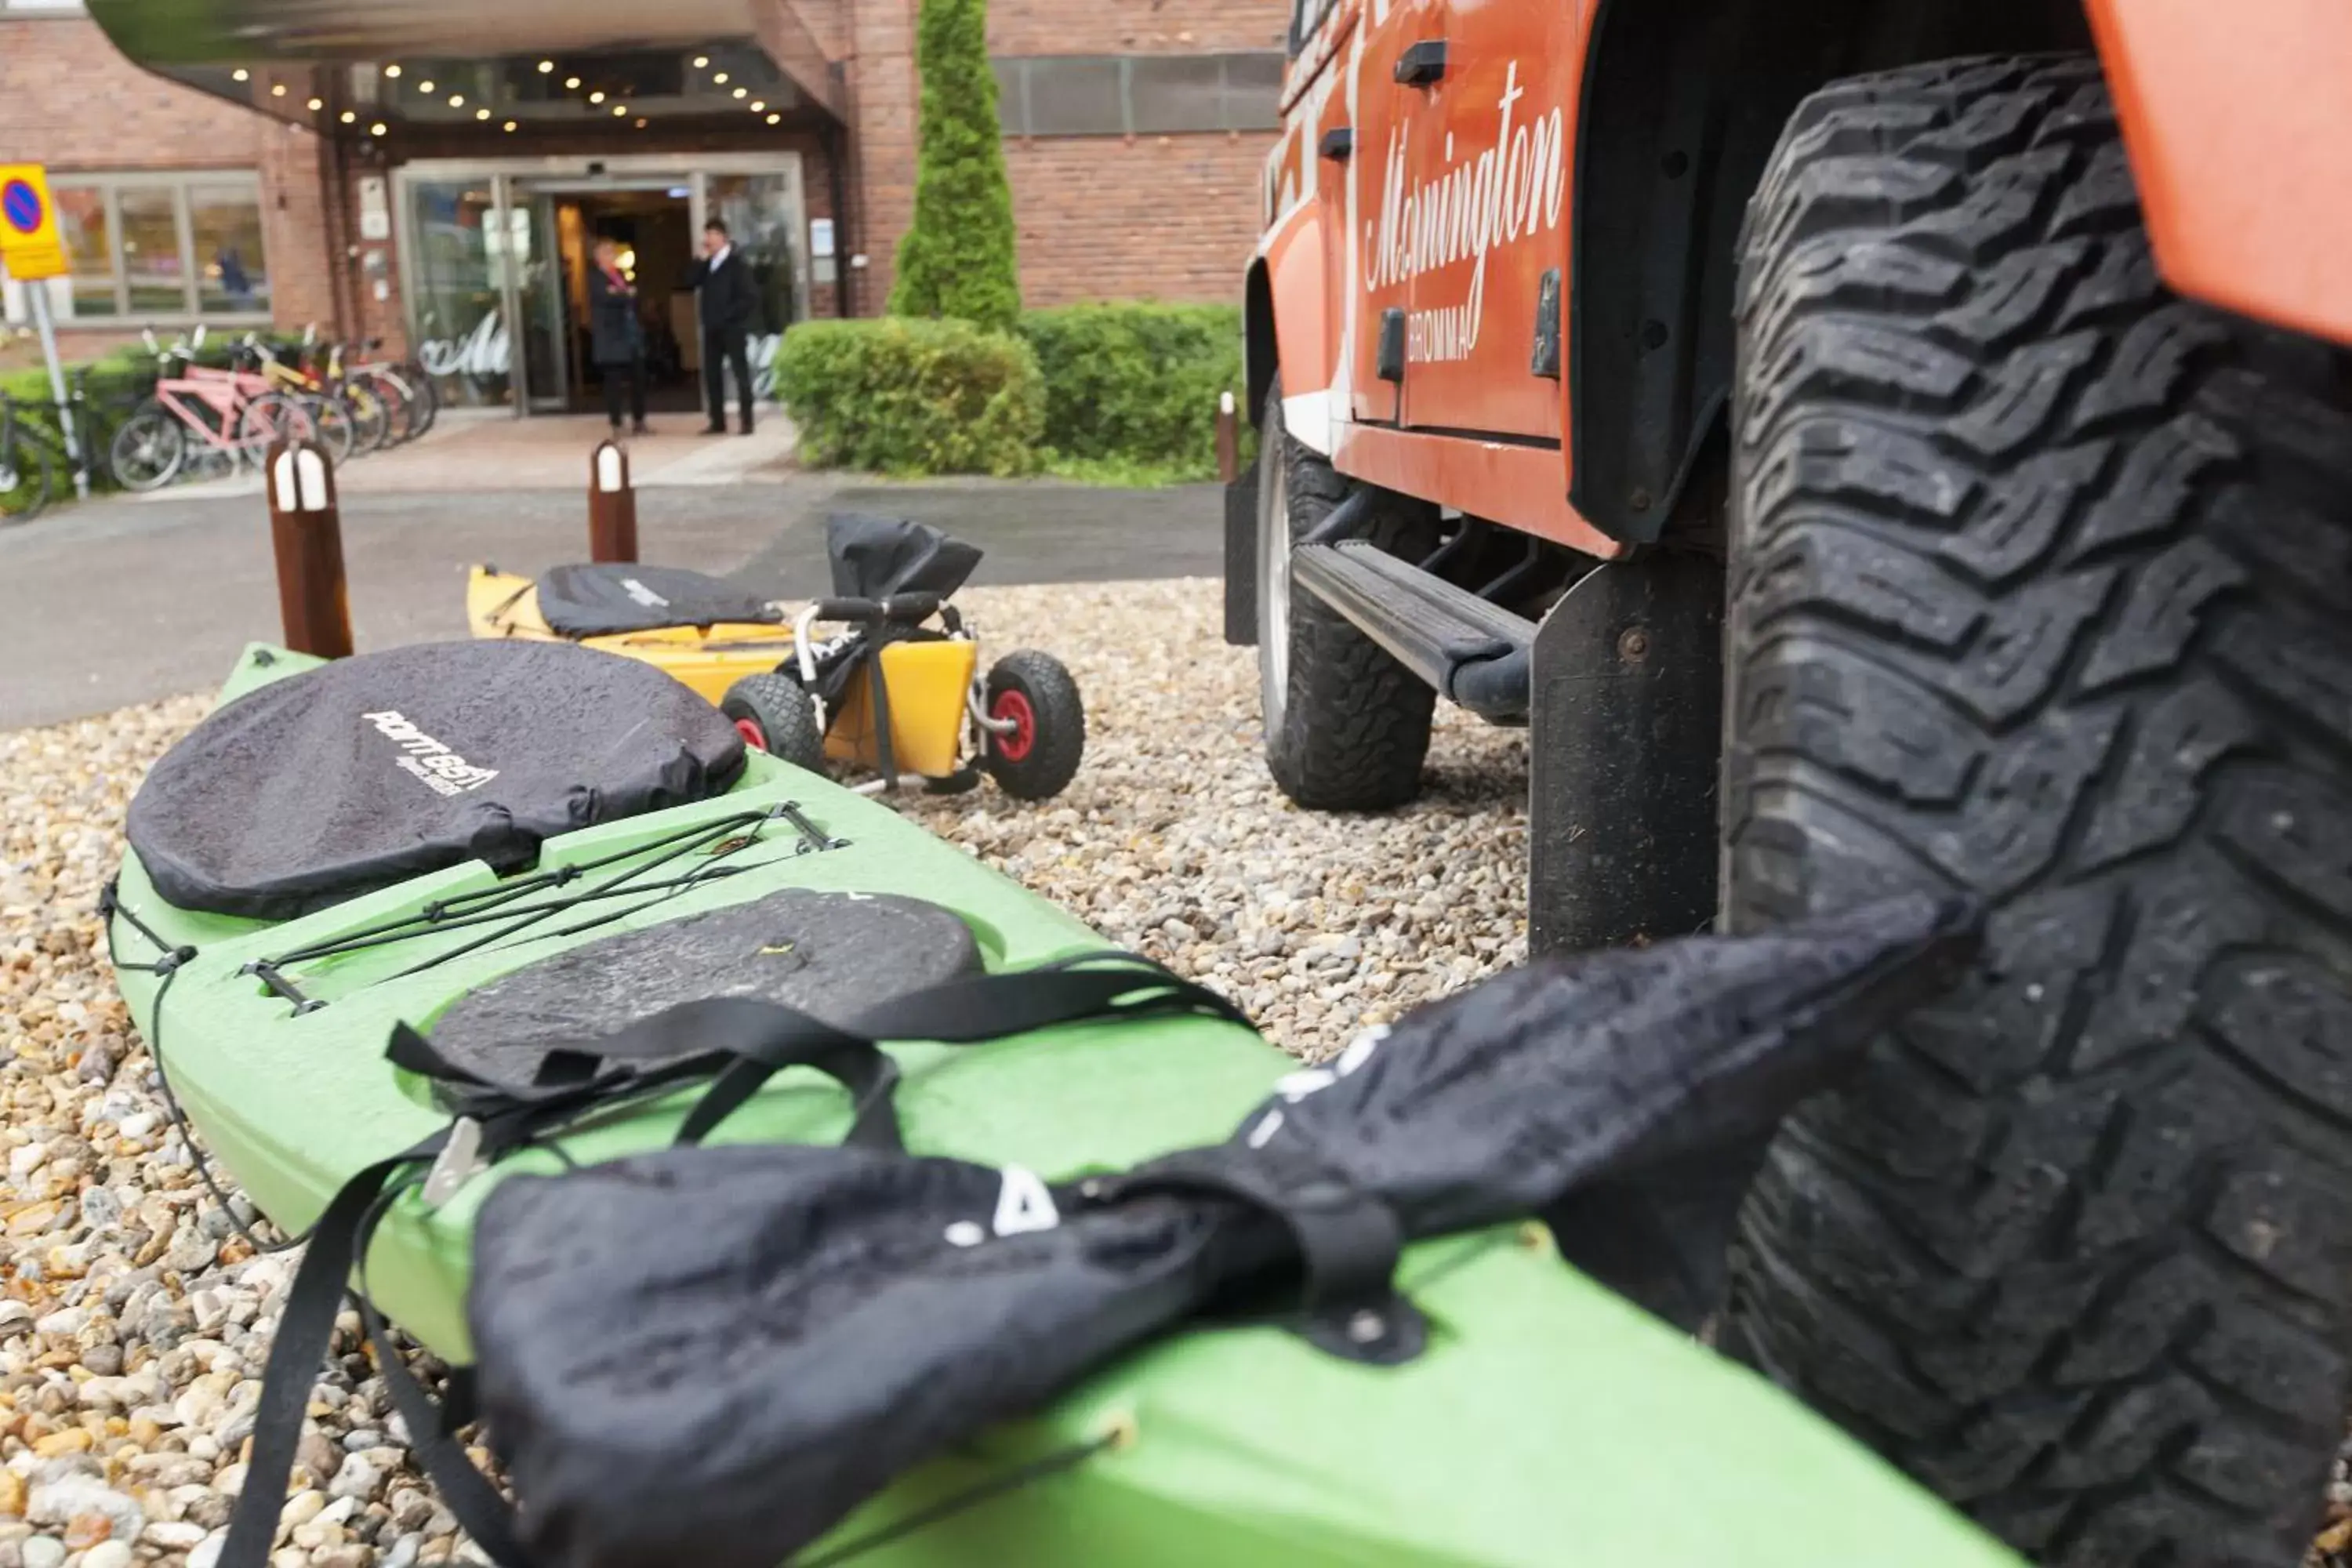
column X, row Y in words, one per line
column 29, row 245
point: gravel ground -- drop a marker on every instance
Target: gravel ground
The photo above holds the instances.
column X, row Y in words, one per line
column 134, row 1321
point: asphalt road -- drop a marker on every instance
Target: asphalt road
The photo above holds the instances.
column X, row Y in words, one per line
column 117, row 603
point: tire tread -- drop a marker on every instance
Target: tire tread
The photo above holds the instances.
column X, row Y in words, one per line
column 2029, row 578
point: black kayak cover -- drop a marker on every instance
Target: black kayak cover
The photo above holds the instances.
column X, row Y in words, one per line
column 875, row 557
column 832, row 955
column 368, row 771
column 597, row 601
column 711, row 1356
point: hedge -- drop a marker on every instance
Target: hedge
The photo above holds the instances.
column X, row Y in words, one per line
column 1123, row 390
column 1137, row 383
column 905, row 396
column 113, row 384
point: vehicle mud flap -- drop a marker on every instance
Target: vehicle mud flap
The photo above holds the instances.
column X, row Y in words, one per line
column 1626, row 725
column 1241, row 558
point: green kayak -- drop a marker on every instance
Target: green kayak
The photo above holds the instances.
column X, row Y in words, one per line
column 1547, row 1423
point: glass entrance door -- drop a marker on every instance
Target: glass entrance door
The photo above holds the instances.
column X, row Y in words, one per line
column 494, row 261
column 542, row 298
column 647, row 217
column 766, row 217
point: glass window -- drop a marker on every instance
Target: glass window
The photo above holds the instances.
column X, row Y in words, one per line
column 461, row 327
column 152, row 267
column 1176, row 93
column 233, row 269
column 1137, row 95
column 1075, row 95
column 1012, row 94
column 1254, row 92
column 89, row 247
column 164, row 247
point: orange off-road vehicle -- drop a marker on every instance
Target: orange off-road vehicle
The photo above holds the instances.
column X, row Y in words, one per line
column 1877, row 444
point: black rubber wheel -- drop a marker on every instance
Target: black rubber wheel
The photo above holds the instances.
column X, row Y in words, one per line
column 1347, row 727
column 2038, row 578
column 1039, row 756
column 26, row 479
column 148, row 450
column 774, row 713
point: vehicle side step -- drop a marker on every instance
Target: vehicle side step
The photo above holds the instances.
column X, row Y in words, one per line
column 1472, row 652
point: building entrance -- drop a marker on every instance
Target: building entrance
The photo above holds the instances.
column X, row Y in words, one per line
column 496, row 256
column 654, row 228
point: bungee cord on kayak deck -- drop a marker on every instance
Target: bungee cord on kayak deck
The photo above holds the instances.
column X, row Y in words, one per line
column 166, row 967
column 728, row 836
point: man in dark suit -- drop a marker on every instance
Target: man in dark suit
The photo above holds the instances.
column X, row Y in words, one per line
column 731, row 309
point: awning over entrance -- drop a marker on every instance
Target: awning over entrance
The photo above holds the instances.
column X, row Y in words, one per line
column 347, row 66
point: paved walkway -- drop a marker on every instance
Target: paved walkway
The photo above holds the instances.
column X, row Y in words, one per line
column 124, row 601
column 484, row 451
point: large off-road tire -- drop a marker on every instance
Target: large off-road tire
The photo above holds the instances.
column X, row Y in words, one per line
column 1347, row 727
column 2040, row 580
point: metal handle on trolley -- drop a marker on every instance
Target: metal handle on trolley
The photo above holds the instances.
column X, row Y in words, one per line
column 907, row 609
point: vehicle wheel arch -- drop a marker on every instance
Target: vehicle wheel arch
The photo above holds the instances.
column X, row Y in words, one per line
column 1682, row 104
column 1261, row 350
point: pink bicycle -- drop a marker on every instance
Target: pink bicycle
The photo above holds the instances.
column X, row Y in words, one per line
column 204, row 423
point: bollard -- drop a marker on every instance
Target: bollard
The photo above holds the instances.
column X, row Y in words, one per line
column 1229, row 440
column 305, row 534
column 612, row 506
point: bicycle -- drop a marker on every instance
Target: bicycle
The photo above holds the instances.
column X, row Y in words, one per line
column 339, row 426
column 204, row 423
column 407, row 394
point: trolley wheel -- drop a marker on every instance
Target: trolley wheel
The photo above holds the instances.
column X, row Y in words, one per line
column 774, row 713
column 1038, row 756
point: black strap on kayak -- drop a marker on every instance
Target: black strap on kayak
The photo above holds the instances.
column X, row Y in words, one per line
column 306, row 1325
column 739, row 1043
column 433, row 1428
column 690, row 1041
column 984, row 1007
column 1349, row 1241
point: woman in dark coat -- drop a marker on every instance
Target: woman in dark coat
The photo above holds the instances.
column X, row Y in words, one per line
column 617, row 336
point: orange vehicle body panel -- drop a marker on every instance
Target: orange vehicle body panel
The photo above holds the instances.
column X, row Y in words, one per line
column 1298, row 270
column 1452, row 209
column 2239, row 124
column 1456, row 201
column 1486, row 479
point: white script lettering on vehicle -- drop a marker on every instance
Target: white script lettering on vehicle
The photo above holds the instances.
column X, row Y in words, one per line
column 1489, row 198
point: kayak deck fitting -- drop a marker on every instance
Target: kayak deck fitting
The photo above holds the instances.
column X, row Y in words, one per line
column 1548, row 1422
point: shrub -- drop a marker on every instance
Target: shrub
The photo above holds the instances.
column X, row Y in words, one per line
column 1136, row 383
column 957, row 257
column 909, row 396
column 113, row 386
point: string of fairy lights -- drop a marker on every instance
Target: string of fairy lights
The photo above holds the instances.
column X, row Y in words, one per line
column 616, row 103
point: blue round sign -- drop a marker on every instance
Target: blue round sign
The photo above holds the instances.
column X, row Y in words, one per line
column 21, row 205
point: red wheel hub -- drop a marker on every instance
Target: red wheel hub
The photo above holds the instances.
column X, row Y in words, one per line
column 1013, row 745
column 751, row 733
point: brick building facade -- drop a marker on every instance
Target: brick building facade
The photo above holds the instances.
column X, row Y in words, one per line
column 1134, row 136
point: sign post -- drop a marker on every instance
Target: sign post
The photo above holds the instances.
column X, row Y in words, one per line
column 32, row 252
